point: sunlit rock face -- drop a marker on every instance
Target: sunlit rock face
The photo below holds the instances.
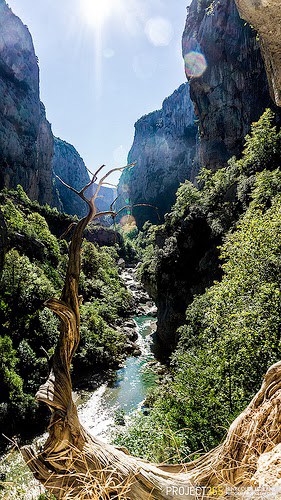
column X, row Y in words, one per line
column 227, row 77
column 265, row 17
column 229, row 89
column 164, row 148
column 26, row 141
column 28, row 151
column 70, row 167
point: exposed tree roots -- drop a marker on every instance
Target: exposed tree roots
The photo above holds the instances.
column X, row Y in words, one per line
column 74, row 464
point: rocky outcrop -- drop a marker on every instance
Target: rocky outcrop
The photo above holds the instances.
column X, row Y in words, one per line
column 103, row 236
column 265, row 17
column 187, row 264
column 26, row 141
column 164, row 148
column 233, row 90
column 70, row 167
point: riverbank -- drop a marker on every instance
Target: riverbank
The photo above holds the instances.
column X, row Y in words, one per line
column 113, row 396
column 111, row 404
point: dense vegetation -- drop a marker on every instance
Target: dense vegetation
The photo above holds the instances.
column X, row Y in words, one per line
column 34, row 270
column 231, row 333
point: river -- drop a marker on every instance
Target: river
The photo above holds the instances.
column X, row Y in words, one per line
column 111, row 403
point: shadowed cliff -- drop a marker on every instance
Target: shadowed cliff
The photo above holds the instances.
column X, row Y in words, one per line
column 233, row 91
column 29, row 154
column 165, row 149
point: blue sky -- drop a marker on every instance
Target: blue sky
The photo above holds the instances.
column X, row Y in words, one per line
column 104, row 64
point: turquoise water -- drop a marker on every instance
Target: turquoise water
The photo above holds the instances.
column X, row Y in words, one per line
column 98, row 413
column 128, row 391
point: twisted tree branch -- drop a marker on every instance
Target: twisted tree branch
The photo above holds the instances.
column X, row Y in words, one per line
column 74, row 464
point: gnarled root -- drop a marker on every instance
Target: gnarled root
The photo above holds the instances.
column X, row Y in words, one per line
column 98, row 470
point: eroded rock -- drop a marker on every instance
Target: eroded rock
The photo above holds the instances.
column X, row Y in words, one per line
column 26, row 140
column 233, row 91
column 164, row 148
column 265, row 17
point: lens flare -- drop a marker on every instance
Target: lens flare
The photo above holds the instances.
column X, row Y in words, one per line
column 159, row 31
column 128, row 222
column 96, row 12
column 195, row 64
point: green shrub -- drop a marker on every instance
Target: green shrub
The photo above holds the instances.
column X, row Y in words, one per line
column 232, row 331
column 33, row 272
column 100, row 345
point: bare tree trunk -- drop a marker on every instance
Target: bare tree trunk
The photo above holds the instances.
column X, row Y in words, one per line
column 75, row 464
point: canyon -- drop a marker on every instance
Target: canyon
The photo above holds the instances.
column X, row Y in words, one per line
column 231, row 93
column 164, row 150
column 29, row 153
column 204, row 122
column 212, row 267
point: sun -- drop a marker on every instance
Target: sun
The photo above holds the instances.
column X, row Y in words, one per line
column 96, row 12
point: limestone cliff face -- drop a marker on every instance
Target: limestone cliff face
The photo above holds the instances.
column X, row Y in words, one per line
column 70, row 167
column 28, row 151
column 265, row 16
column 164, row 148
column 26, row 141
column 233, row 91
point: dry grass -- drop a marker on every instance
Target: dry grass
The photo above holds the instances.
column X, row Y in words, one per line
column 81, row 479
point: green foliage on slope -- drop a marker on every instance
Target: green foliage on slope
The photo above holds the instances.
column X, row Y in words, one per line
column 231, row 333
column 34, row 271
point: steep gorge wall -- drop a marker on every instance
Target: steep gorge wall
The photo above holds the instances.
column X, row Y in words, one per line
column 230, row 95
column 265, row 17
column 233, row 90
column 29, row 154
column 164, row 148
column 70, row 167
column 26, row 141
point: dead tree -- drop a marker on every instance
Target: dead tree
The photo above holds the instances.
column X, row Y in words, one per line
column 74, row 464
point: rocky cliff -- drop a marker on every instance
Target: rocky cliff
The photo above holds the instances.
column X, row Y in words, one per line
column 164, row 148
column 229, row 89
column 233, row 91
column 70, row 167
column 187, row 264
column 26, row 141
column 28, row 151
column 265, row 17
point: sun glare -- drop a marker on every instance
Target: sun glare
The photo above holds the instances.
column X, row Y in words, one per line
column 96, row 12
